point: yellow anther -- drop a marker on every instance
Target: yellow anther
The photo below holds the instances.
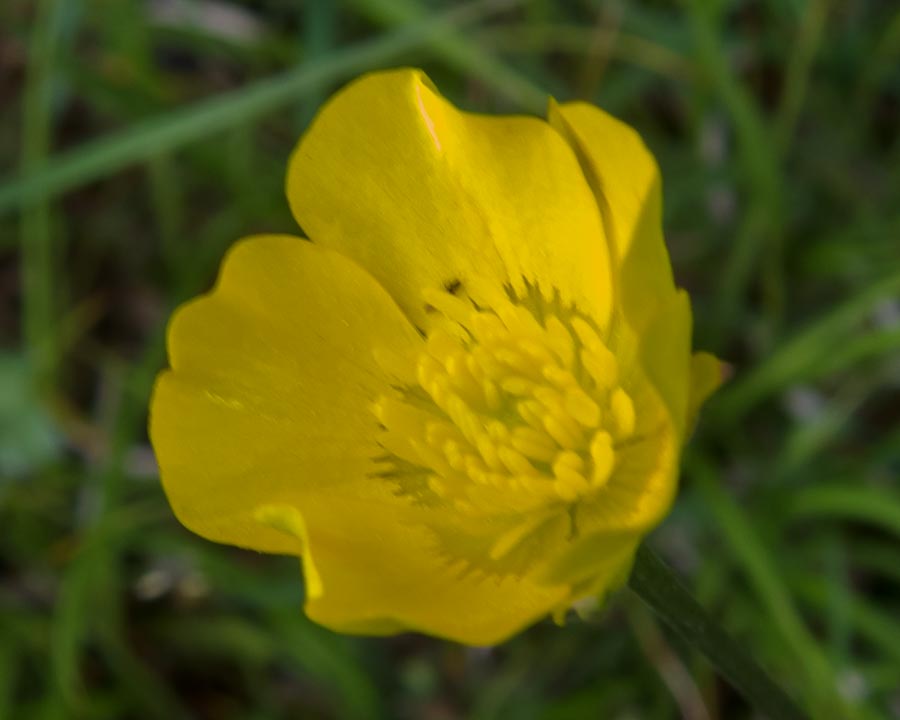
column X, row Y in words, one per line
column 519, row 362
column 567, row 460
column 555, row 406
column 491, row 394
column 515, row 385
column 488, row 451
column 581, row 407
column 453, row 452
column 559, row 376
column 557, row 429
column 474, row 452
column 462, row 380
column 531, row 412
column 515, row 461
column 601, row 366
column 498, row 431
column 570, row 485
column 549, row 397
column 439, row 391
column 474, row 465
column 474, row 368
column 427, row 369
column 454, row 363
column 622, row 410
column 463, row 417
column 537, row 351
column 533, row 444
column 588, row 336
column 603, row 459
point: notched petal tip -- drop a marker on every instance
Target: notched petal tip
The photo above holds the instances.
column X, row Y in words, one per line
column 229, row 282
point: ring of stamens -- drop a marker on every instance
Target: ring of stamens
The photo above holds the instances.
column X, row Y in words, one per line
column 511, row 410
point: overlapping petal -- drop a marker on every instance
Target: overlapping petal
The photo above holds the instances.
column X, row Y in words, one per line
column 625, row 180
column 626, row 183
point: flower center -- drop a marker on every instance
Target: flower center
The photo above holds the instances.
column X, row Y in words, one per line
column 516, row 407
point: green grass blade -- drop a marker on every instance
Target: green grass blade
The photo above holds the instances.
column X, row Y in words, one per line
column 767, row 582
column 162, row 135
column 661, row 589
column 802, row 356
column 36, row 234
column 461, row 52
column 797, row 72
column 878, row 627
column 757, row 160
column 856, row 503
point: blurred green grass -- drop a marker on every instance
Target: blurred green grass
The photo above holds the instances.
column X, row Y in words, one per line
column 139, row 139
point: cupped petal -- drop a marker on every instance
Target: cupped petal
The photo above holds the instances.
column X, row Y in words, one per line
column 272, row 375
column 425, row 196
column 625, row 179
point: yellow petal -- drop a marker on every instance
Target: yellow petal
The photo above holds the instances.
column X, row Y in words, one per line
column 381, row 574
column 665, row 352
column 268, row 398
column 598, row 561
column 626, row 183
column 424, row 196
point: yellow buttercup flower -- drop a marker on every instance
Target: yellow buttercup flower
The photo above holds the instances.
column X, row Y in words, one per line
column 463, row 403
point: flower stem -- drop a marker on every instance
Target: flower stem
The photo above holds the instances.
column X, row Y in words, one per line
column 658, row 586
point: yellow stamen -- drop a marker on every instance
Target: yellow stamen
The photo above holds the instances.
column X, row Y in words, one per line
column 602, row 459
column 622, row 409
column 515, row 423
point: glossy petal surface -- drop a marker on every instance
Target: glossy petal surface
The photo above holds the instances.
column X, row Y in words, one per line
column 424, row 195
column 267, row 396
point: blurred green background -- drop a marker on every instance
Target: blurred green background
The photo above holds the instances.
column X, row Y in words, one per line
column 139, row 139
